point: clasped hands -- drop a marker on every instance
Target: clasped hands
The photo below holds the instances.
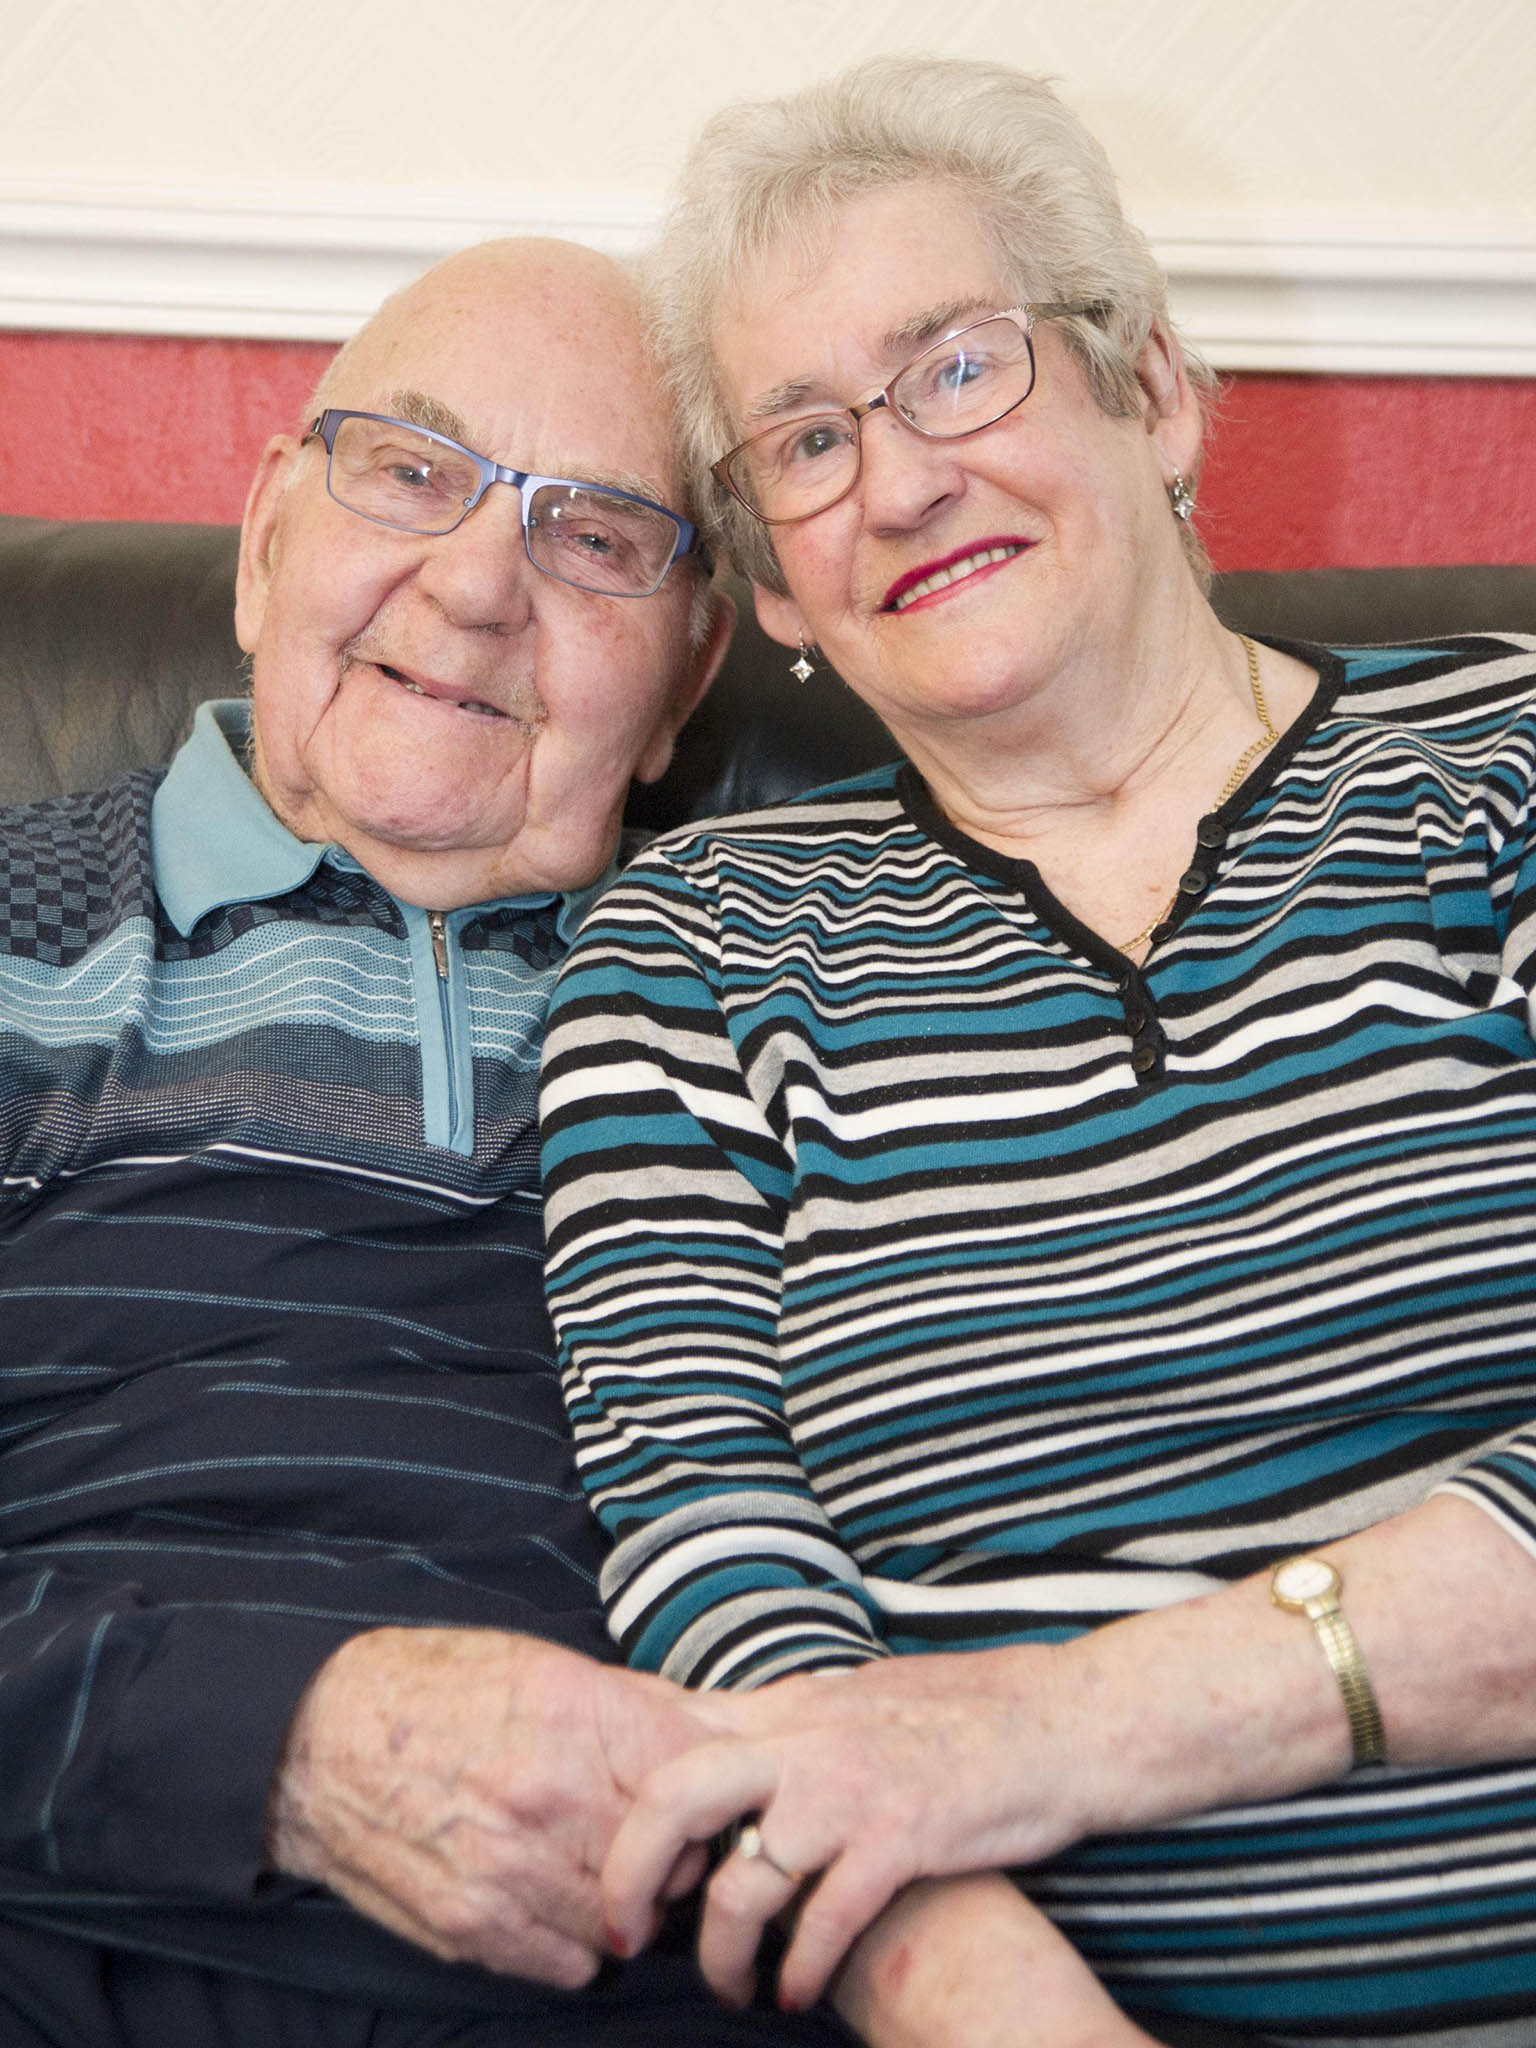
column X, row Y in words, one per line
column 501, row 1800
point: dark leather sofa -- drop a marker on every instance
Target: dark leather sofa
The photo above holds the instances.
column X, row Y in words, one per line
column 111, row 632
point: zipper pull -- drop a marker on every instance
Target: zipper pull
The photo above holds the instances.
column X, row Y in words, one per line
column 438, row 926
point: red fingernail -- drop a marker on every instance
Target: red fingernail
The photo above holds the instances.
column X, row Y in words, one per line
column 618, row 1944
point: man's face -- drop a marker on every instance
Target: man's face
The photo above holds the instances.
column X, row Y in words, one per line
column 463, row 724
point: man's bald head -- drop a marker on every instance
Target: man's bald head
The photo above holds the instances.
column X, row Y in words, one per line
column 463, row 720
column 555, row 286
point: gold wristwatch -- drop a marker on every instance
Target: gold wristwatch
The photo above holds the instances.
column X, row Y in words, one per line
column 1311, row 1586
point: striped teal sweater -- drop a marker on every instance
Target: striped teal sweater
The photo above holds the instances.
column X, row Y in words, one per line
column 927, row 1276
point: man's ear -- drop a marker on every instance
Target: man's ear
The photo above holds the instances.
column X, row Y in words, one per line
column 258, row 536
column 703, row 666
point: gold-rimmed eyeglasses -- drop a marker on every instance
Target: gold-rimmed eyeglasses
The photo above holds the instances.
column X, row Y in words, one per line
column 972, row 378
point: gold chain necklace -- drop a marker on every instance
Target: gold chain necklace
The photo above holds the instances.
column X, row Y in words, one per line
column 1240, row 768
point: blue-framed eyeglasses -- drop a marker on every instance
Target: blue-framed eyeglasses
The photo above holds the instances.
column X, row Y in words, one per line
column 588, row 535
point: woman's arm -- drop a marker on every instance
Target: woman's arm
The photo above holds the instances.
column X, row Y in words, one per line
column 667, row 1180
column 930, row 1765
column 969, row 1962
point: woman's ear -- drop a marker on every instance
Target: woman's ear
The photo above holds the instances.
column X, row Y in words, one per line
column 779, row 616
column 1172, row 413
column 258, row 536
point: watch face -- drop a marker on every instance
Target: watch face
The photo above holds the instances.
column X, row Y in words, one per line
column 1305, row 1578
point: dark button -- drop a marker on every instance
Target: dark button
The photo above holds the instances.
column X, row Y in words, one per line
column 1210, row 832
column 1192, row 881
column 1135, row 1020
column 1144, row 1059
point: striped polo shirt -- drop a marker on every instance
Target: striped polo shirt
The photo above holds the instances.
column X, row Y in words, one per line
column 276, row 1367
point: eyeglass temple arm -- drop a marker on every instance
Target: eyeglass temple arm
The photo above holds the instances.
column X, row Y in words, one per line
column 1066, row 309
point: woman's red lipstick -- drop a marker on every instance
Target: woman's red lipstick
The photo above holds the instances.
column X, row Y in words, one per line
column 981, row 554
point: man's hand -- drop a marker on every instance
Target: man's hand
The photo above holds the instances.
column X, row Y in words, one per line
column 462, row 1786
column 969, row 1962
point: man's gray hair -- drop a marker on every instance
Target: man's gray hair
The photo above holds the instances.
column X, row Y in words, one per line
column 773, row 172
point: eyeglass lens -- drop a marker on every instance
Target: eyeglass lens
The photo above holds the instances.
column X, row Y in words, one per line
column 962, row 384
column 598, row 541
column 386, row 472
column 576, row 533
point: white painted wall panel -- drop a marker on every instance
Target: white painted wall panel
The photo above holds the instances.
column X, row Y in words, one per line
column 1335, row 183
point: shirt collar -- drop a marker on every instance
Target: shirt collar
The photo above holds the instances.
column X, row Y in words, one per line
column 216, row 841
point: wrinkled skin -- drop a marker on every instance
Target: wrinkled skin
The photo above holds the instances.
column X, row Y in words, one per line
column 462, row 1786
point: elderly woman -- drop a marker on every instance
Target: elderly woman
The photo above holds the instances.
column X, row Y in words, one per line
column 1013, row 1203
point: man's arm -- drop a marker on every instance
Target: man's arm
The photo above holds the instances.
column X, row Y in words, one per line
column 458, row 1785
column 140, row 1737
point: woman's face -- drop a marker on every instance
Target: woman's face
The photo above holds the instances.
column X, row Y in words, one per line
column 1052, row 525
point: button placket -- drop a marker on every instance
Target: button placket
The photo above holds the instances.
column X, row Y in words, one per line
column 1210, row 838
column 1148, row 1043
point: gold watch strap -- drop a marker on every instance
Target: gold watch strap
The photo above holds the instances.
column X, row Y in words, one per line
column 1343, row 1654
column 1312, row 1587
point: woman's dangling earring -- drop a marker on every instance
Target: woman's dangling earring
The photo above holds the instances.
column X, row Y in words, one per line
column 804, row 668
column 1181, row 498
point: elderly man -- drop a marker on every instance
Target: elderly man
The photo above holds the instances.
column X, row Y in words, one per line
column 297, row 1599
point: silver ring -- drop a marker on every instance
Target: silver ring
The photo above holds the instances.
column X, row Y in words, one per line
column 750, row 1843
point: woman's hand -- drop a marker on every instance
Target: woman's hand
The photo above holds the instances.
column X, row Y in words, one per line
column 919, row 1767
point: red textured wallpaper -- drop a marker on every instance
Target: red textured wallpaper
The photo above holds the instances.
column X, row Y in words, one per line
column 113, row 426
column 1303, row 472
column 1371, row 472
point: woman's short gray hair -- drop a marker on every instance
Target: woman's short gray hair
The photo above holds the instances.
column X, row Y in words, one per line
column 769, row 171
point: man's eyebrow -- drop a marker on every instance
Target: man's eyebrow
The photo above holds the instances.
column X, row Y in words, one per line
column 897, row 346
column 624, row 480
column 420, row 409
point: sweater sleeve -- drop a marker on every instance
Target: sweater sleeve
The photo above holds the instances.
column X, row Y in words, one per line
column 667, row 1189
column 140, row 1740
column 1501, row 1478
